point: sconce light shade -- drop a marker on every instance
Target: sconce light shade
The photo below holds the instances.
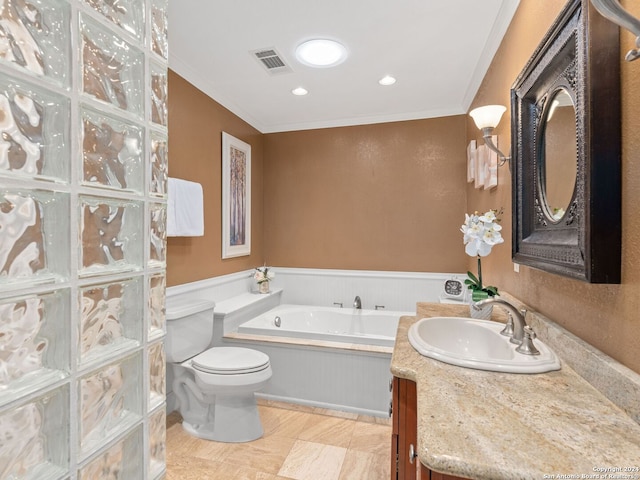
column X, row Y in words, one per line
column 487, row 116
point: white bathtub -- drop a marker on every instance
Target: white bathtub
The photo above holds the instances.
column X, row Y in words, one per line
column 345, row 325
column 350, row 372
column 335, row 358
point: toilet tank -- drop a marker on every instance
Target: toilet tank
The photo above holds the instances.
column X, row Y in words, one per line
column 189, row 328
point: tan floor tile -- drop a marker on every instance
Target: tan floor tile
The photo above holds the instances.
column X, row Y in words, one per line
column 182, row 467
column 282, row 423
column 365, row 466
column 211, row 450
column 335, row 413
column 313, row 461
column 194, row 468
column 375, row 420
column 371, row 438
column 328, row 430
column 266, row 454
column 318, row 437
column 179, row 442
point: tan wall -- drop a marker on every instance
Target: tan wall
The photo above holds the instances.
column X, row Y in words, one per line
column 195, row 145
column 374, row 197
column 606, row 316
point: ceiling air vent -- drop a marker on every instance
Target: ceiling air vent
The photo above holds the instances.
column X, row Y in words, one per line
column 271, row 60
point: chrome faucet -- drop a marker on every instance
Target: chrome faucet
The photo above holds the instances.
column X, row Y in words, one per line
column 521, row 333
column 357, row 303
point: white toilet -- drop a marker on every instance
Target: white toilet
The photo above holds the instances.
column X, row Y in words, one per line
column 215, row 387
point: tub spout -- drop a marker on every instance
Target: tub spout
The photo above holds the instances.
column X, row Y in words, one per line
column 357, row 303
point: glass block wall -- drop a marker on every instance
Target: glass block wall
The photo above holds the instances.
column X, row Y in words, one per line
column 83, row 182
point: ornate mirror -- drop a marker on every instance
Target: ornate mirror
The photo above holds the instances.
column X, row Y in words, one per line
column 565, row 113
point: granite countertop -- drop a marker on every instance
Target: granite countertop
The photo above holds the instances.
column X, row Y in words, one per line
column 490, row 426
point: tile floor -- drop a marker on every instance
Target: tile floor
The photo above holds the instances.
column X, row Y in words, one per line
column 299, row 443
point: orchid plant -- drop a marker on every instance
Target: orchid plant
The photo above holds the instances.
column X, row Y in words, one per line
column 481, row 234
column 263, row 274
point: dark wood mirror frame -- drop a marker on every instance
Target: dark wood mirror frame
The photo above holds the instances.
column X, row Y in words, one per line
column 581, row 54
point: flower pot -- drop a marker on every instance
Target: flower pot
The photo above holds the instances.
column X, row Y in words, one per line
column 484, row 313
column 263, row 287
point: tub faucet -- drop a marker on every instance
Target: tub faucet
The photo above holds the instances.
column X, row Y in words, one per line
column 519, row 322
column 357, row 303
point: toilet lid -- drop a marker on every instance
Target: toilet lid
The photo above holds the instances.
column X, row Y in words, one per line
column 230, row 361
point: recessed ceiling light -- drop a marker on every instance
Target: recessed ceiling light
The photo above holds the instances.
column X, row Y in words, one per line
column 321, row 53
column 299, row 91
column 387, row 80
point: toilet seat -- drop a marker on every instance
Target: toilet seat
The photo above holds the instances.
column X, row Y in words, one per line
column 230, row 361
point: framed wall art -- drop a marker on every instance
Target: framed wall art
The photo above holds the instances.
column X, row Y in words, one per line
column 481, row 153
column 236, row 197
column 491, row 166
column 471, row 161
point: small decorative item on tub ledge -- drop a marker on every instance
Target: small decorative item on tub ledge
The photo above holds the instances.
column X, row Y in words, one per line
column 481, row 233
column 262, row 276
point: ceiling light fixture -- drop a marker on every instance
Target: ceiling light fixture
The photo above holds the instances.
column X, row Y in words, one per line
column 387, row 80
column 299, row 91
column 321, row 53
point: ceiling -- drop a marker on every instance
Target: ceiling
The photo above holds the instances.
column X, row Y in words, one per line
column 439, row 52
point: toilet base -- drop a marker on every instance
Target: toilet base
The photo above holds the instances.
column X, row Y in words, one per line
column 231, row 419
column 219, row 407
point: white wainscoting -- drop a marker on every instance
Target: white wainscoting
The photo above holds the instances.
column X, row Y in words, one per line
column 399, row 291
column 215, row 288
column 332, row 378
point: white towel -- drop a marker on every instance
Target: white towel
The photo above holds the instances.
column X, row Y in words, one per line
column 185, row 210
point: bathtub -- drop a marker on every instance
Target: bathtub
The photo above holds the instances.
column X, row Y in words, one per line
column 335, row 358
column 344, row 325
column 349, row 371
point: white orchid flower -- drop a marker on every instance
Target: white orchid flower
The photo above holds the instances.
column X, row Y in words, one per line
column 492, row 237
column 489, row 217
column 478, row 247
column 481, row 233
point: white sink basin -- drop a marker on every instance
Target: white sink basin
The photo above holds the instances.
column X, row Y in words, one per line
column 471, row 343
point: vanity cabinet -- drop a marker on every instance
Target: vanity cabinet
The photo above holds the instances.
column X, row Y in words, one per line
column 404, row 439
column 405, row 430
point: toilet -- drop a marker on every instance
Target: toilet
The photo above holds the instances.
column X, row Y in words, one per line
column 215, row 387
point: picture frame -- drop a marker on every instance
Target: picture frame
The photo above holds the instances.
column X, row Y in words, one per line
column 236, row 197
column 481, row 153
column 471, row 161
column 491, row 166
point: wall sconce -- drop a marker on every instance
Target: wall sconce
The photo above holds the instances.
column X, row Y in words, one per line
column 487, row 118
column 612, row 10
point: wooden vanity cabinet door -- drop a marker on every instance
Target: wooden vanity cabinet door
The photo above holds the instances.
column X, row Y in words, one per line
column 395, row 427
column 405, row 430
column 405, row 433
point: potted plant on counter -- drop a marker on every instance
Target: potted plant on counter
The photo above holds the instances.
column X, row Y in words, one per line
column 481, row 234
column 262, row 276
